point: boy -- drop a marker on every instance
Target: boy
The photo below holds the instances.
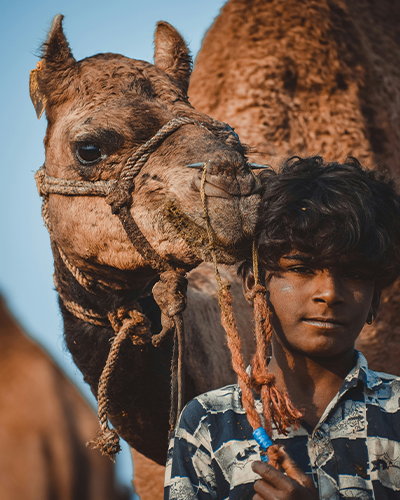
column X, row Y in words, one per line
column 328, row 243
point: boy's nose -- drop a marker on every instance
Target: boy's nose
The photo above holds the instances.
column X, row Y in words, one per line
column 328, row 288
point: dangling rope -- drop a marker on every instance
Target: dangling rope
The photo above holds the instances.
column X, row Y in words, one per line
column 170, row 294
column 277, row 408
column 126, row 323
column 177, row 374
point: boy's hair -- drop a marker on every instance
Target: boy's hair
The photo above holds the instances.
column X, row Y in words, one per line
column 340, row 214
column 334, row 212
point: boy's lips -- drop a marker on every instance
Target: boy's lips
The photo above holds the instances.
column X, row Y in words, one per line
column 323, row 322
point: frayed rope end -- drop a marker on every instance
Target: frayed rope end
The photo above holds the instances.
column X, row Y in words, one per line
column 107, row 442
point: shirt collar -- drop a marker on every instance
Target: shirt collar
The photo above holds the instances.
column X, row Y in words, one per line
column 362, row 373
column 359, row 374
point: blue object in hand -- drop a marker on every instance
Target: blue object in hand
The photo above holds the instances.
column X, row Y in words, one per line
column 263, row 440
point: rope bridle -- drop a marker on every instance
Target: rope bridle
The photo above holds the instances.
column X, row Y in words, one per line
column 126, row 321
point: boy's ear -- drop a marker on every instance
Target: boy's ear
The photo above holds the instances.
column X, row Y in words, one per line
column 248, row 281
column 373, row 311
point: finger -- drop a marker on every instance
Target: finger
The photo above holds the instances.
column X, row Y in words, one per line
column 272, row 476
column 263, row 496
column 264, row 491
column 294, row 471
column 259, row 497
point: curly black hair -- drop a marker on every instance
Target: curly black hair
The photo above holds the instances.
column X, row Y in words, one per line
column 332, row 212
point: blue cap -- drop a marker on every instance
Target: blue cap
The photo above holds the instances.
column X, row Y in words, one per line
column 263, row 440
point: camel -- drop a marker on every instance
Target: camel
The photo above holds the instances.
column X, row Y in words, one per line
column 320, row 76
column 125, row 214
column 44, row 426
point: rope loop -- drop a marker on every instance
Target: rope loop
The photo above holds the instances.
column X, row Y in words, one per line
column 107, row 442
column 40, row 178
column 126, row 323
column 118, row 198
column 257, row 289
column 259, row 377
column 131, row 322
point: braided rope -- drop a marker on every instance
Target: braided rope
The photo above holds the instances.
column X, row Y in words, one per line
column 234, row 341
column 71, row 187
column 126, row 323
column 210, row 232
column 277, row 407
column 87, row 315
column 138, row 159
column 80, row 277
column 112, row 189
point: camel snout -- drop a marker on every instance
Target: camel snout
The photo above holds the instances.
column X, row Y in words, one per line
column 219, row 185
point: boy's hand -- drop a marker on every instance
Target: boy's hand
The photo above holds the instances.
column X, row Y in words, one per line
column 274, row 485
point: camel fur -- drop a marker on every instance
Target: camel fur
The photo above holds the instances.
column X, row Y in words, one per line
column 313, row 77
column 107, row 106
column 44, row 426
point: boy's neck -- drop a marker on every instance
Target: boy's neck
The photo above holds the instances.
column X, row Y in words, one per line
column 310, row 382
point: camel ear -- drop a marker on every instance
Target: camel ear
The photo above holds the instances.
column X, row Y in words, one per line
column 56, row 50
column 37, row 98
column 171, row 54
column 52, row 73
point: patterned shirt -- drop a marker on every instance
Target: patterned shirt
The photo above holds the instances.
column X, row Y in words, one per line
column 353, row 452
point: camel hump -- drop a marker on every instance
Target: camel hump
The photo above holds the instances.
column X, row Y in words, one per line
column 172, row 54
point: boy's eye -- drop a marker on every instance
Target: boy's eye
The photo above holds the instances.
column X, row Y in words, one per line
column 355, row 275
column 300, row 270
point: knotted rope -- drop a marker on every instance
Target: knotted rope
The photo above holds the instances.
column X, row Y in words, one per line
column 170, row 294
column 126, row 323
column 131, row 322
column 277, row 408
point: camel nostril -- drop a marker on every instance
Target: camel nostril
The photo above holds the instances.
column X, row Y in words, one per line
column 223, row 186
column 226, row 178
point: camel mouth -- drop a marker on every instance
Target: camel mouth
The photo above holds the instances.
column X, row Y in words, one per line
column 219, row 187
column 197, row 238
column 210, row 189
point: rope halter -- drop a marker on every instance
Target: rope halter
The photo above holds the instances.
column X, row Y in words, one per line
column 124, row 322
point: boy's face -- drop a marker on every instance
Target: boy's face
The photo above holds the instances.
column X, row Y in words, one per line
column 319, row 312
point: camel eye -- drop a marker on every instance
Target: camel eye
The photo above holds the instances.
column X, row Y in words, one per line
column 88, row 153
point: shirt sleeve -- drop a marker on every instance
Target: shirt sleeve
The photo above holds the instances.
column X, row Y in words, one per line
column 189, row 474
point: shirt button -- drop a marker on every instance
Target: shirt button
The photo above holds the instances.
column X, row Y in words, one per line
column 318, row 434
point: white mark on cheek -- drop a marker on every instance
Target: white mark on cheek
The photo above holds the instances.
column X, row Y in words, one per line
column 286, row 288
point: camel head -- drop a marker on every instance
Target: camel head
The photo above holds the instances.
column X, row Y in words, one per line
column 100, row 111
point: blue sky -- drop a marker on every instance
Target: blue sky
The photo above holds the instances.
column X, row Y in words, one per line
column 122, row 26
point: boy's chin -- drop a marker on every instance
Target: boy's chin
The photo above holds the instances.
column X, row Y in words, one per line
column 328, row 351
